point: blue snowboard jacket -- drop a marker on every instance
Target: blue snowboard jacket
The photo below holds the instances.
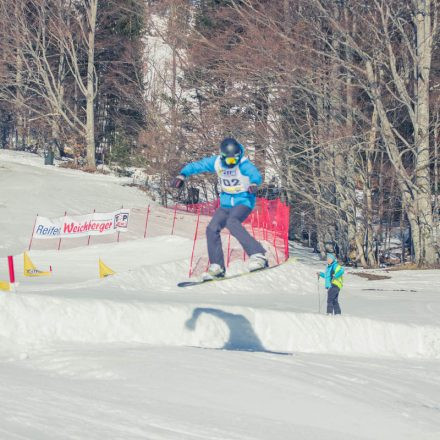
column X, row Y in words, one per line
column 247, row 168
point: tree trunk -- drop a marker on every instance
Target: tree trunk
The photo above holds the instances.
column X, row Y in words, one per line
column 419, row 209
column 90, row 94
column 421, row 134
column 436, row 181
column 261, row 103
column 371, row 258
column 19, row 139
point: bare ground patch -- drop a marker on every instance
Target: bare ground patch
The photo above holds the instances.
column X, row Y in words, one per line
column 371, row 276
column 412, row 266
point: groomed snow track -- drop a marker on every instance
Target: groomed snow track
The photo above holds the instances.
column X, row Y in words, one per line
column 83, row 357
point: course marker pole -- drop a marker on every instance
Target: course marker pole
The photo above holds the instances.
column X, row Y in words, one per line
column 194, row 243
column 146, row 221
column 229, row 249
column 319, row 297
column 174, row 219
column 88, row 241
column 33, row 230
column 11, row 271
column 119, row 232
column 59, row 243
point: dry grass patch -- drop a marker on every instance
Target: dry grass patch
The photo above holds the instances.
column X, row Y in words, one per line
column 411, row 266
column 371, row 276
column 70, row 164
column 85, row 168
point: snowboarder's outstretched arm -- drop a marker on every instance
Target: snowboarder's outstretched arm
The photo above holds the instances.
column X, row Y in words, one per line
column 206, row 165
column 248, row 169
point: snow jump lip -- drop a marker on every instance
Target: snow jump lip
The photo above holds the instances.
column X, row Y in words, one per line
column 35, row 319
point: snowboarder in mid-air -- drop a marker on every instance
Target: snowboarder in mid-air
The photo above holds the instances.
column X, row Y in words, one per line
column 333, row 282
column 239, row 179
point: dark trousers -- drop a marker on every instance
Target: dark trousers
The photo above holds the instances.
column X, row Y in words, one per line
column 332, row 300
column 231, row 218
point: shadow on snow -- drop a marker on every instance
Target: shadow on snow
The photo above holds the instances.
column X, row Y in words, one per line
column 242, row 336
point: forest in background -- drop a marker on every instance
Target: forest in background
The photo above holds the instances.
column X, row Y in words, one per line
column 337, row 102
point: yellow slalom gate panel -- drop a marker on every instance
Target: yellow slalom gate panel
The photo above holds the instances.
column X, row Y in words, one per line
column 30, row 270
column 104, row 271
column 4, row 285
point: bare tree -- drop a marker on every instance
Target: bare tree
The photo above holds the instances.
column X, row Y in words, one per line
column 55, row 40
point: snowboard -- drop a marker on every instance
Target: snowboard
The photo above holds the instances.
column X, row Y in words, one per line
column 231, row 277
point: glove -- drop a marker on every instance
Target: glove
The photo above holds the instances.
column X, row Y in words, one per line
column 178, row 181
column 253, row 188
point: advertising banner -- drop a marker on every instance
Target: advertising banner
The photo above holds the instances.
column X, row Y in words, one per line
column 98, row 223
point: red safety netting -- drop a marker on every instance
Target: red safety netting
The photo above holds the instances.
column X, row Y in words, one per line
column 205, row 208
column 268, row 223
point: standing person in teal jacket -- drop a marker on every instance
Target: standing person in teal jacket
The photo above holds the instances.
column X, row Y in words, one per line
column 333, row 277
column 239, row 179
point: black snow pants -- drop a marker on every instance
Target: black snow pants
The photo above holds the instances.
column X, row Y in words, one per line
column 231, row 218
column 332, row 301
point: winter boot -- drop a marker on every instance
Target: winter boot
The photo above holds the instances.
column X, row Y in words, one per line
column 257, row 262
column 214, row 271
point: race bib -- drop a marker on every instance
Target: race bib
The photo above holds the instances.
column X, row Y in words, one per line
column 231, row 180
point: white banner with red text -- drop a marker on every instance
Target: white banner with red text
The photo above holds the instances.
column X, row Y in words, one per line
column 98, row 223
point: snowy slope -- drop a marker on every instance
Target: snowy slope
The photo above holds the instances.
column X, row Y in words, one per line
column 132, row 356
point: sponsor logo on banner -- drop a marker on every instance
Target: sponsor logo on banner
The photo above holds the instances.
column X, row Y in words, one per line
column 97, row 223
column 121, row 220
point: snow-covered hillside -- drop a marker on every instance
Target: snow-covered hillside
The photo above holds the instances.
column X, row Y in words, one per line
column 132, row 356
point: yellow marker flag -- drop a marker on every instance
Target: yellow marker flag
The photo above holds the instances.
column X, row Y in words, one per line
column 4, row 285
column 104, row 271
column 30, row 270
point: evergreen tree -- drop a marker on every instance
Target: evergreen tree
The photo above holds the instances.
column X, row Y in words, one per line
column 119, row 64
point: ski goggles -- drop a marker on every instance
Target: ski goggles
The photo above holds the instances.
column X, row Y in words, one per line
column 231, row 160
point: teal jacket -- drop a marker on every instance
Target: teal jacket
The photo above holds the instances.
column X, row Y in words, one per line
column 333, row 275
